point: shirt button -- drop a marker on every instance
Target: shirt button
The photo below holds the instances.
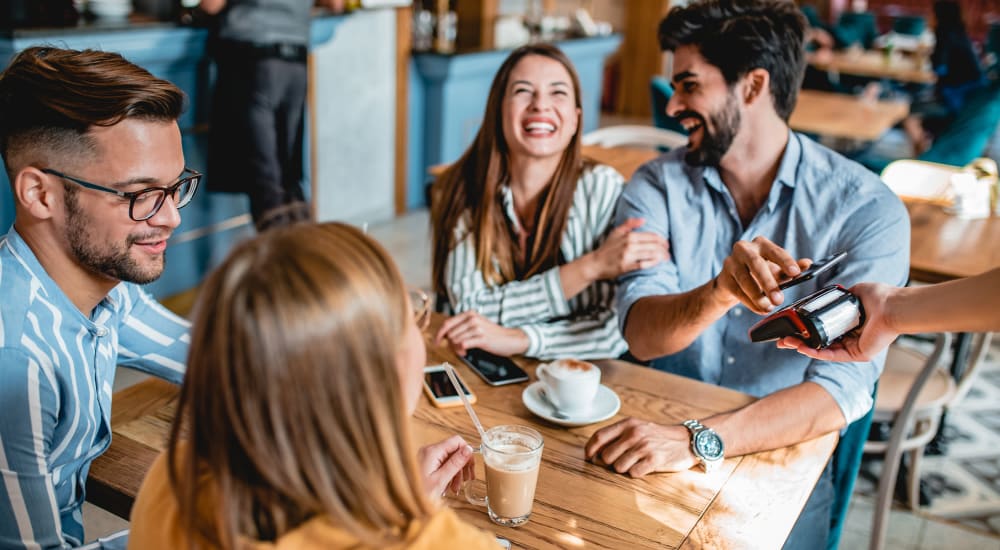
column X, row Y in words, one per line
column 737, row 311
column 101, row 332
column 730, row 359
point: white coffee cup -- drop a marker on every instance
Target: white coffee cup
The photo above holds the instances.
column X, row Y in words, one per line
column 570, row 384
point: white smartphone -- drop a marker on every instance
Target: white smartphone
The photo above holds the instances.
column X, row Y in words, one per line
column 440, row 390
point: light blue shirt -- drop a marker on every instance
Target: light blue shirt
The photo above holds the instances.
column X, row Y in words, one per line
column 57, row 369
column 820, row 203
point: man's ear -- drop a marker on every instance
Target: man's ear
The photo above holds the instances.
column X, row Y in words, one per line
column 35, row 193
column 756, row 84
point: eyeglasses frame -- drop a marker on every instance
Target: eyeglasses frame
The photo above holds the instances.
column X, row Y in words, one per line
column 192, row 176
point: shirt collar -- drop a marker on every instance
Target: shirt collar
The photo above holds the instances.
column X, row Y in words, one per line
column 49, row 288
column 786, row 175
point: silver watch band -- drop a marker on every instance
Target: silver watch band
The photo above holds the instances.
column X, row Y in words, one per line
column 695, row 427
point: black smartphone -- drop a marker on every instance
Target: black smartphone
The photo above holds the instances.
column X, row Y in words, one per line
column 493, row 369
column 818, row 267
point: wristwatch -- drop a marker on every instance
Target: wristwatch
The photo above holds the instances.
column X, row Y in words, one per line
column 706, row 444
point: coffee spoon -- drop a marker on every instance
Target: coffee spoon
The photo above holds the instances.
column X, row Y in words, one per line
column 555, row 410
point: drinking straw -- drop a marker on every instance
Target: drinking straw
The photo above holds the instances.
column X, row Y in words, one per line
column 465, row 400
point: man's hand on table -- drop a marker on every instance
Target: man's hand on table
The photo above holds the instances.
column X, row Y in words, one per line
column 446, row 465
column 638, row 447
column 470, row 330
column 751, row 273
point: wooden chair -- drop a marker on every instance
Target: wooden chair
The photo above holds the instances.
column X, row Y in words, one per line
column 913, row 394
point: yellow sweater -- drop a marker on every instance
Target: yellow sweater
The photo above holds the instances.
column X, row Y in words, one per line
column 156, row 524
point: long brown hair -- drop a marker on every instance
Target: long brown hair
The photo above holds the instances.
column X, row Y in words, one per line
column 471, row 190
column 292, row 399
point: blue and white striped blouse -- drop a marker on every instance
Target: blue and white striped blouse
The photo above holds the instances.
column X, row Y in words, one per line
column 57, row 368
column 585, row 326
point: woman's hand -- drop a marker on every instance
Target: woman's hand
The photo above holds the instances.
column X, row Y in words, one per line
column 446, row 465
column 471, row 330
column 865, row 342
column 627, row 250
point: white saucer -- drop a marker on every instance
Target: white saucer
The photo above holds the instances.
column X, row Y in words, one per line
column 606, row 404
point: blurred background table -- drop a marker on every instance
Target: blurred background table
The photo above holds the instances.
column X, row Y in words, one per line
column 845, row 116
column 875, row 64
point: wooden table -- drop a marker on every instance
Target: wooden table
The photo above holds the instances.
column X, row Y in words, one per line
column 873, row 64
column 750, row 502
column 945, row 247
column 845, row 116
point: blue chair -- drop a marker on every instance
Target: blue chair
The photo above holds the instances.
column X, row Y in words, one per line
column 846, row 463
column 661, row 91
column 913, row 25
column 855, row 28
column 966, row 136
column 969, row 133
column 812, row 16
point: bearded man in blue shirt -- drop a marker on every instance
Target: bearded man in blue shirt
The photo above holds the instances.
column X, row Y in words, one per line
column 93, row 152
column 744, row 205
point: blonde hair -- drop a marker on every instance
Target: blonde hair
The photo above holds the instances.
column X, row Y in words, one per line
column 292, row 400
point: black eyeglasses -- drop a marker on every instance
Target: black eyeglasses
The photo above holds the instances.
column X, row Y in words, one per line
column 146, row 203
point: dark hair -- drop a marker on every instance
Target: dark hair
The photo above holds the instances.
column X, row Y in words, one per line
column 470, row 190
column 948, row 18
column 738, row 36
column 51, row 97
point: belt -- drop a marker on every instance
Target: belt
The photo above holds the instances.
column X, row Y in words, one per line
column 259, row 50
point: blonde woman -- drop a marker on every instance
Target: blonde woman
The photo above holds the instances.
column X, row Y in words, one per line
column 293, row 426
column 523, row 243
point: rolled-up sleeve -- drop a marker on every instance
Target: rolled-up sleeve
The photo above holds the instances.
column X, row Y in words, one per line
column 877, row 239
column 645, row 197
column 514, row 303
column 153, row 339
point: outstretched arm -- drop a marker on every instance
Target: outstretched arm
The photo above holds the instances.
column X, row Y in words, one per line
column 786, row 417
column 966, row 305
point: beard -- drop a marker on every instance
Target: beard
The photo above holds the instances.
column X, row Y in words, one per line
column 717, row 138
column 111, row 261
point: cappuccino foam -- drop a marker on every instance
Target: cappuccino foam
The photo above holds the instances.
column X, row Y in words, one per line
column 570, row 368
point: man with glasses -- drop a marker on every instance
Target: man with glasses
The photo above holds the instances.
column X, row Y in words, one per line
column 93, row 153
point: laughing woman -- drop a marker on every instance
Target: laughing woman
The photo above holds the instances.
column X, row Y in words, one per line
column 523, row 247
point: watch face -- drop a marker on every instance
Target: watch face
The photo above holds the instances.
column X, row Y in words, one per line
column 708, row 444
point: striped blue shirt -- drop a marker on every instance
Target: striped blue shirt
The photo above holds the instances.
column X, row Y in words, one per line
column 57, row 368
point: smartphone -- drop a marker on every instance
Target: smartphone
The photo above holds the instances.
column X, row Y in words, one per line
column 504, row 543
column 495, row 370
column 440, row 390
column 814, row 270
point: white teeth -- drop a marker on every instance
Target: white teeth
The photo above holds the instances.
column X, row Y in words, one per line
column 543, row 126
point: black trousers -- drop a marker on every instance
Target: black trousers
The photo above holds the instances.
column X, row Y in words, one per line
column 255, row 142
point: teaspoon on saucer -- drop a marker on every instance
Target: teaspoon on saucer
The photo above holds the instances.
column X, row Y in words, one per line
column 555, row 410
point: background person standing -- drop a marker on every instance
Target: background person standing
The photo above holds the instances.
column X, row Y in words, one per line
column 255, row 143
